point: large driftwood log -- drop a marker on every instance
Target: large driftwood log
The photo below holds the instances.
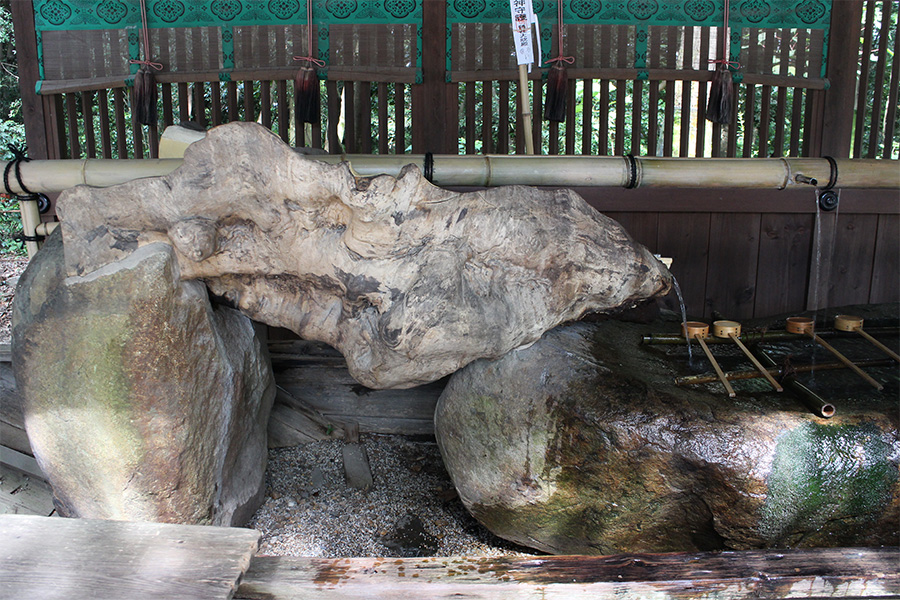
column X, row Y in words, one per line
column 410, row 282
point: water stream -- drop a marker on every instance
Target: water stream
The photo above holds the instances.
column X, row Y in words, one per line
column 684, row 319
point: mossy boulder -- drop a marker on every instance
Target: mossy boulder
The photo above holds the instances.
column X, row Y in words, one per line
column 582, row 443
column 142, row 400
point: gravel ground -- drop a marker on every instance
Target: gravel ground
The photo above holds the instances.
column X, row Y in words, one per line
column 11, row 267
column 412, row 509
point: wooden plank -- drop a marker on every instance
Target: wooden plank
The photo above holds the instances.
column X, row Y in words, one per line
column 885, row 274
column 641, row 226
column 38, row 134
column 20, row 461
column 265, row 101
column 701, row 94
column 686, row 95
column 570, row 120
column 685, row 238
column 249, row 102
column 79, row 558
column 669, row 99
column 435, row 101
column 87, row 117
column 121, row 135
column 334, row 115
column 349, row 117
column 284, row 111
column 784, row 259
column 198, row 103
column 891, row 122
column 105, row 126
column 183, row 102
column 587, row 117
column 858, row 572
column 653, row 117
column 216, row 96
column 503, row 120
column 487, row 117
column 22, row 494
column 469, row 110
column 731, row 272
column 72, row 126
column 383, row 142
column 168, row 116
column 231, row 100
column 637, row 101
column 137, row 135
column 852, row 262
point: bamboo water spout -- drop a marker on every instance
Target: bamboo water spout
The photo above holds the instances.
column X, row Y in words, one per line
column 816, row 403
column 731, row 330
column 852, row 323
column 696, row 330
column 806, row 326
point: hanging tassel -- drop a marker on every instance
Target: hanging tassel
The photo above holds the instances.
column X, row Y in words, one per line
column 306, row 94
column 557, row 82
column 721, row 96
column 145, row 97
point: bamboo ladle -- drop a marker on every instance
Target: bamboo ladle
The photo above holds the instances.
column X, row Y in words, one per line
column 852, row 323
column 696, row 330
column 805, row 326
column 732, row 329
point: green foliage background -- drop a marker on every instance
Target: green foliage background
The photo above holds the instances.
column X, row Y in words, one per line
column 12, row 127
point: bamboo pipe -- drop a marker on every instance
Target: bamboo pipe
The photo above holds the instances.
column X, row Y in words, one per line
column 816, row 403
column 492, row 170
column 698, row 331
column 777, row 371
column 526, row 109
column 851, row 323
column 804, row 326
column 731, row 330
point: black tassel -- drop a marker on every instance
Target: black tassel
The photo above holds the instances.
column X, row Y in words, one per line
column 306, row 94
column 557, row 80
column 721, row 97
column 145, row 96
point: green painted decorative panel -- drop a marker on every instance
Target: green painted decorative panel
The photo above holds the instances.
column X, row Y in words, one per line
column 93, row 16
column 640, row 15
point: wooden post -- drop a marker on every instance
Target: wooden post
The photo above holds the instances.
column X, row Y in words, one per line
column 840, row 98
column 434, row 104
column 33, row 105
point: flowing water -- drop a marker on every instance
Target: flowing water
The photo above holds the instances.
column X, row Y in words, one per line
column 684, row 320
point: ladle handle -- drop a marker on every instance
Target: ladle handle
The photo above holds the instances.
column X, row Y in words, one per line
column 716, row 366
column 879, row 345
column 846, row 361
column 756, row 363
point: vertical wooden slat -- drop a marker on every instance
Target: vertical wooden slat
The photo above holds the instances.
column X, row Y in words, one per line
column 862, row 106
column 637, row 103
column 685, row 238
column 587, row 117
column 167, row 113
column 503, row 118
column 249, row 101
column 183, row 102
column 553, row 135
column 434, row 101
column 383, row 118
column 137, row 137
column 891, row 122
column 399, row 118
column 619, row 146
column 153, row 140
column 72, row 126
column 885, row 274
column 684, row 146
column 766, row 95
column 570, row 118
column 785, row 245
column 364, row 130
column 537, row 114
column 265, row 103
column 842, row 67
column 653, row 118
column 749, row 116
column 87, row 115
column 198, row 103
column 43, row 135
column 350, row 142
column 851, row 269
column 487, row 117
column 284, row 111
column 121, row 139
column 732, row 127
column 216, row 95
column 731, row 274
column 231, row 100
column 798, row 105
column 669, row 100
column 470, row 117
column 105, row 125
column 781, row 99
column 878, row 97
column 334, row 115
column 701, row 94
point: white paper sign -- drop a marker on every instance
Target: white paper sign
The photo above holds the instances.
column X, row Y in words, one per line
column 522, row 20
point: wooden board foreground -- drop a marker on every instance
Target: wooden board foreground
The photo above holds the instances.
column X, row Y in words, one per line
column 838, row 572
column 46, row 558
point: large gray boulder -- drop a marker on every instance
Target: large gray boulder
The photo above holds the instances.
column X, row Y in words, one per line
column 142, row 400
column 409, row 281
column 582, row 444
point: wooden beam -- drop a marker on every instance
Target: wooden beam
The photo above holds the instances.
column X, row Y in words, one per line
column 26, row 56
column 79, row 558
column 843, row 62
column 831, row 572
column 434, row 102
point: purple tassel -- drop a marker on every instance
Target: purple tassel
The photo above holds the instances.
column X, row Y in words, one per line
column 557, row 81
column 721, row 97
column 306, row 94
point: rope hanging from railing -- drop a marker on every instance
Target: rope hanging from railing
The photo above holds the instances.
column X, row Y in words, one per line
column 558, row 78
column 145, row 94
column 306, row 79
